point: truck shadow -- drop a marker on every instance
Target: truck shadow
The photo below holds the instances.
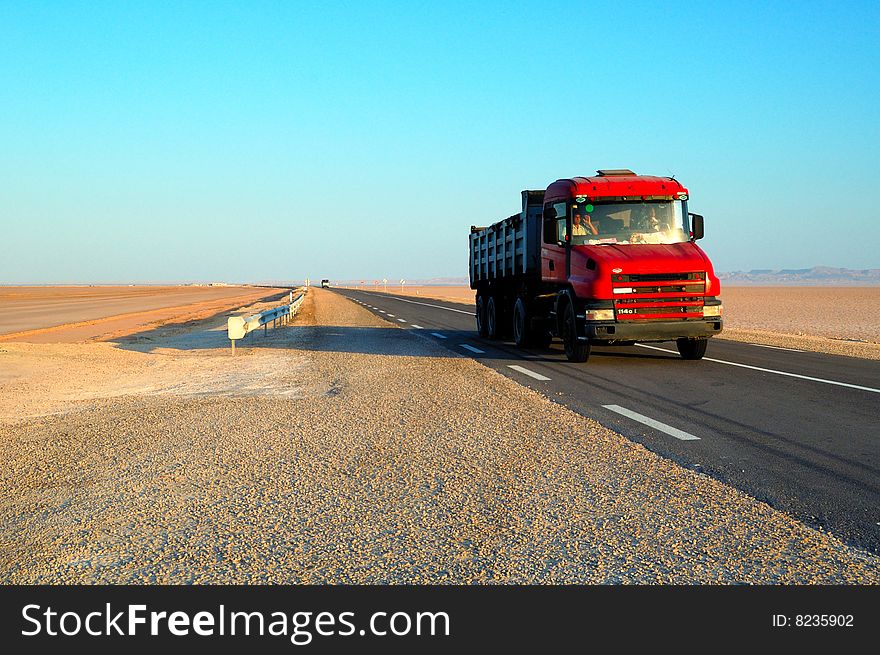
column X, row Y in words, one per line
column 619, row 351
column 210, row 335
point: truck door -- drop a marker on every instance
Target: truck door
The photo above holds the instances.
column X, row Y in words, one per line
column 556, row 229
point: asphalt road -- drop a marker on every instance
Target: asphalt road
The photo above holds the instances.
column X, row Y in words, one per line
column 797, row 430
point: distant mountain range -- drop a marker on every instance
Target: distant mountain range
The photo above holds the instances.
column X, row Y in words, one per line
column 816, row 276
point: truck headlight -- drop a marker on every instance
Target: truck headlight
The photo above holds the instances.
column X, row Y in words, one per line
column 712, row 310
column 599, row 314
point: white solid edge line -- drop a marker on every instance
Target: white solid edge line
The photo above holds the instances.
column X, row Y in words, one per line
column 417, row 327
column 439, row 336
column 657, row 425
column 526, row 371
column 770, row 370
column 448, row 309
column 472, row 349
column 764, row 345
column 402, row 320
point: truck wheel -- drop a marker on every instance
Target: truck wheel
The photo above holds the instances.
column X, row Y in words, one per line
column 492, row 318
column 692, row 348
column 521, row 336
column 482, row 328
column 576, row 351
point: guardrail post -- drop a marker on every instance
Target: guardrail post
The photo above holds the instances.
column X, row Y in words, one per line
column 238, row 327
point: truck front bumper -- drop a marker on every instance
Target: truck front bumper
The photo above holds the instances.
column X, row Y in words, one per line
column 649, row 330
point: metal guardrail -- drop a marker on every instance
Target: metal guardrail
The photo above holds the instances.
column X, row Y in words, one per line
column 238, row 327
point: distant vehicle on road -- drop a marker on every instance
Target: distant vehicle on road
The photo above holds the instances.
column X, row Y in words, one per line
column 325, row 284
column 603, row 260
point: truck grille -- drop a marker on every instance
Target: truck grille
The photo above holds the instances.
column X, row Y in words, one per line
column 659, row 296
column 659, row 277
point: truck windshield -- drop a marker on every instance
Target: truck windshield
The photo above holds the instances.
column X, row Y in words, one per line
column 628, row 222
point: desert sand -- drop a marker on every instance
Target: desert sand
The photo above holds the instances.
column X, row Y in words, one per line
column 836, row 320
column 66, row 314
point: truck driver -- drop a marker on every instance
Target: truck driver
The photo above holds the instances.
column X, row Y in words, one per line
column 582, row 229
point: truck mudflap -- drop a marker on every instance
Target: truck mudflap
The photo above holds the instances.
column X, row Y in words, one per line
column 599, row 332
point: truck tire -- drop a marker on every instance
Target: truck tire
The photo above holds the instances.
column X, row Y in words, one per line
column 521, row 334
column 482, row 328
column 493, row 318
column 524, row 336
column 692, row 348
column 576, row 351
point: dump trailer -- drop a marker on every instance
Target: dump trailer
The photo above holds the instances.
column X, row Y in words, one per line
column 610, row 259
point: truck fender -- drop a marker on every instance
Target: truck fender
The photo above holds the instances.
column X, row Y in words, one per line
column 563, row 298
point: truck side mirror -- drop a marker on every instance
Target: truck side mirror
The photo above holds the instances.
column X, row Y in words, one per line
column 696, row 226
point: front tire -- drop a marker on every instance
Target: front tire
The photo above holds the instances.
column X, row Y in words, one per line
column 692, row 348
column 576, row 351
column 482, row 327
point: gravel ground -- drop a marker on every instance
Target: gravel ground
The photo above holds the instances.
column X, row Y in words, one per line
column 363, row 454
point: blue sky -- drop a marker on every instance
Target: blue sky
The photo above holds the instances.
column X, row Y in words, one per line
column 253, row 141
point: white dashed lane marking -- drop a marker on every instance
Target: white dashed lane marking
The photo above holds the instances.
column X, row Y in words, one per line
column 401, row 320
column 439, row 336
column 526, row 371
column 770, row 370
column 657, row 425
column 472, row 349
column 391, row 315
column 417, row 327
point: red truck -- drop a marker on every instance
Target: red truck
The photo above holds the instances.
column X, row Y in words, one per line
column 603, row 260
